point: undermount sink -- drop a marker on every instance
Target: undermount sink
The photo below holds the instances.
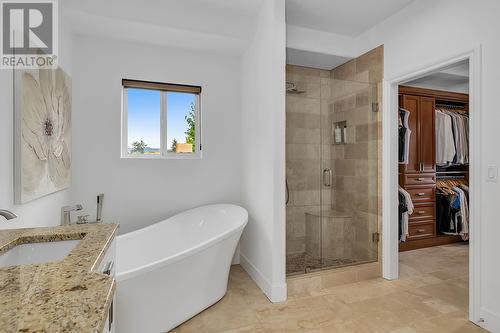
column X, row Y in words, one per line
column 37, row 253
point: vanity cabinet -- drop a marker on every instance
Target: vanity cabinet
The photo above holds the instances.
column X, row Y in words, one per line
column 107, row 266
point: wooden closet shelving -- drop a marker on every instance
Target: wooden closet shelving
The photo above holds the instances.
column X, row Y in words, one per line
column 418, row 177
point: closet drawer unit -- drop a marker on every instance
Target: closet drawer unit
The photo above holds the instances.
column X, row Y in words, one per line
column 423, row 213
column 422, row 194
column 418, row 179
column 421, row 230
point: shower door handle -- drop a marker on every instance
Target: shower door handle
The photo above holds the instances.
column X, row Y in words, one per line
column 327, row 177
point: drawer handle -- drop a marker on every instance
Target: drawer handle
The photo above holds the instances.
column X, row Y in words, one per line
column 419, row 179
column 421, row 212
column 421, row 231
column 420, row 194
column 109, row 267
column 111, row 312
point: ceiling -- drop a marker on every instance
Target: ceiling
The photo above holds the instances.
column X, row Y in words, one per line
column 224, row 26
column 206, row 16
column 234, row 18
column 343, row 17
column 453, row 78
column 313, row 59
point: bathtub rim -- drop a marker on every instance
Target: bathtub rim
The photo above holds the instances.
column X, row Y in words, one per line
column 131, row 273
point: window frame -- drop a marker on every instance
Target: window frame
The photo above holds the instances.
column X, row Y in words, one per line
column 163, row 89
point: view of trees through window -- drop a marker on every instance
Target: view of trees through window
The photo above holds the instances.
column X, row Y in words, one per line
column 181, row 124
column 143, row 116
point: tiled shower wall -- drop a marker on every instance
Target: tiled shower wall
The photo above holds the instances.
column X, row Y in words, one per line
column 357, row 100
column 343, row 94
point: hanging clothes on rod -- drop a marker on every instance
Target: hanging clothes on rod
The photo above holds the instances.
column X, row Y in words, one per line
column 405, row 210
column 452, row 137
column 452, row 207
column 404, row 136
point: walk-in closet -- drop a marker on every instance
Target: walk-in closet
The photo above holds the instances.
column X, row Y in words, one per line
column 434, row 160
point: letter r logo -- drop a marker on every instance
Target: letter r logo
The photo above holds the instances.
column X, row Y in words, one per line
column 28, row 27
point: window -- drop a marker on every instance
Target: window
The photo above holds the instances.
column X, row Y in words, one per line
column 160, row 120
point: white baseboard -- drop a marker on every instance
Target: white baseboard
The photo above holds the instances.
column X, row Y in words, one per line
column 491, row 320
column 276, row 293
column 236, row 257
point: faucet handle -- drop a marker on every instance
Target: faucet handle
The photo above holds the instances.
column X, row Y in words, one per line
column 7, row 214
column 83, row 219
column 71, row 208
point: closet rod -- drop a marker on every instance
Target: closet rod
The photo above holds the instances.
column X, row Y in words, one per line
column 450, row 106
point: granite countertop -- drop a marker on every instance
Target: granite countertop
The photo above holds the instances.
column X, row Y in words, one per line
column 65, row 296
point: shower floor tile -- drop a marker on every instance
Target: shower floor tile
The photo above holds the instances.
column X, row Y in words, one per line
column 299, row 262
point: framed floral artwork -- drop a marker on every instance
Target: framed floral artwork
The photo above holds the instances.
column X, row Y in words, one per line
column 42, row 143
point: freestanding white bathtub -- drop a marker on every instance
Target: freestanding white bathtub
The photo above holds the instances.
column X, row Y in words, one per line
column 172, row 270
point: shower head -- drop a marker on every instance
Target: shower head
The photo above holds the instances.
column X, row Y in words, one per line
column 291, row 88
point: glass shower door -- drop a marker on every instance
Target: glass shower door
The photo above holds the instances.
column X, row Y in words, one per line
column 332, row 171
column 303, row 175
column 350, row 154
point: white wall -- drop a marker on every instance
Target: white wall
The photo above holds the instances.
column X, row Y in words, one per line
column 262, row 251
column 306, row 39
column 425, row 32
column 45, row 211
column 139, row 192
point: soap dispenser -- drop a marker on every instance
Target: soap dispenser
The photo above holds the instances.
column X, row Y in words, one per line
column 338, row 134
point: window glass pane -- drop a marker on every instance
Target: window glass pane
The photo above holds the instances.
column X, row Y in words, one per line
column 143, row 121
column 181, row 122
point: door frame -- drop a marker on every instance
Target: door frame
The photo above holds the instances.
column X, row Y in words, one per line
column 390, row 181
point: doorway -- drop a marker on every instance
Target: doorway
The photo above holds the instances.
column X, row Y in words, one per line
column 391, row 173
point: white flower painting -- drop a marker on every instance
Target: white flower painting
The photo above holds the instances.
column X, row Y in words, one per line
column 43, row 133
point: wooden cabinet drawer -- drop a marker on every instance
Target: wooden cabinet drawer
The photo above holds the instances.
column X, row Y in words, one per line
column 417, row 179
column 423, row 213
column 419, row 231
column 422, row 194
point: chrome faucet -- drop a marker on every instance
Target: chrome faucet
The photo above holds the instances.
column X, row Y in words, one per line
column 66, row 213
column 7, row 214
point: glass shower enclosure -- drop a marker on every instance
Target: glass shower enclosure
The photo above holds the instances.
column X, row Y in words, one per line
column 332, row 168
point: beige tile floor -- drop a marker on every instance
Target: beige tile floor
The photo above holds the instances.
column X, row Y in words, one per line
column 430, row 296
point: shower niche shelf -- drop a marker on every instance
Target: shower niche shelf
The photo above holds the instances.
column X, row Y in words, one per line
column 342, row 134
